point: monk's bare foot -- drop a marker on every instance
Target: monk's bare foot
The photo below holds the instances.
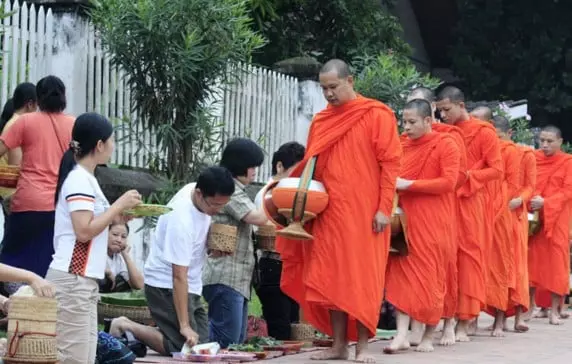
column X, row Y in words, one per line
column 520, row 327
column 116, row 329
column 461, row 334
column 415, row 338
column 564, row 315
column 543, row 313
column 363, row 355
column 448, row 337
column 498, row 332
column 399, row 343
column 473, row 327
column 527, row 316
column 332, row 353
column 425, row 346
column 555, row 319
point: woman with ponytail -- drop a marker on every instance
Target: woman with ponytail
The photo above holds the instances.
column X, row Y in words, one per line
column 43, row 137
column 82, row 221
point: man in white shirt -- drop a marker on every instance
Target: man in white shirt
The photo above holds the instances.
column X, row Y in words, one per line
column 173, row 270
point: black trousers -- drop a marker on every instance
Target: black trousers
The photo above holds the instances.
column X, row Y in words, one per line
column 279, row 310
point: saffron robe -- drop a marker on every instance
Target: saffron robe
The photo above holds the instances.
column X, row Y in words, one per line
column 432, row 162
column 343, row 268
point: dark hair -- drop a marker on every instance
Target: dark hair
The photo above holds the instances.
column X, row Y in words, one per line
column 241, row 154
column 120, row 223
column 24, row 93
column 51, row 93
column 338, row 66
column 421, row 106
column 424, row 92
column 501, row 123
column 289, row 154
column 553, row 129
column 7, row 113
column 88, row 129
column 454, row 94
column 215, row 181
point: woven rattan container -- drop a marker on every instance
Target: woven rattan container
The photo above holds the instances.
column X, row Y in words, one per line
column 32, row 330
column 266, row 238
column 302, row 332
column 141, row 315
column 9, row 176
column 222, row 238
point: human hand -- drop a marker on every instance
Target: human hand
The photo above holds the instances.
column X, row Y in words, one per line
column 515, row 203
column 125, row 248
column 403, row 184
column 43, row 288
column 536, row 203
column 129, row 200
column 191, row 337
column 380, row 221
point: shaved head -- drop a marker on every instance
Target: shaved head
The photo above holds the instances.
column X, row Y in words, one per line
column 501, row 123
column 421, row 107
column 451, row 93
column 338, row 66
column 482, row 112
column 552, row 129
column 422, row 93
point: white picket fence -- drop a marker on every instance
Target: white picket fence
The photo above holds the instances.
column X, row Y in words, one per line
column 36, row 43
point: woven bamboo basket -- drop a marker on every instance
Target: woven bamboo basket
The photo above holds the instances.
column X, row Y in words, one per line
column 141, row 315
column 222, row 238
column 32, row 330
column 302, row 332
column 266, row 238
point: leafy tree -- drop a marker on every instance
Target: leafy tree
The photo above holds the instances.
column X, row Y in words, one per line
column 175, row 53
column 325, row 29
column 515, row 49
column 389, row 77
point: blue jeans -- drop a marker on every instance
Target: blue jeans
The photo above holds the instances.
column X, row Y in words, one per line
column 228, row 314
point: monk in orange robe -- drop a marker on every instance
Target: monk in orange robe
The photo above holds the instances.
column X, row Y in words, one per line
column 430, row 168
column 452, row 288
column 483, row 113
column 549, row 251
column 506, row 252
column 484, row 164
column 338, row 278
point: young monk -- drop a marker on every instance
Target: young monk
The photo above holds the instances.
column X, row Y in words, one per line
column 352, row 235
column 429, row 177
column 549, row 250
column 483, row 113
column 451, row 293
column 505, row 253
column 484, row 164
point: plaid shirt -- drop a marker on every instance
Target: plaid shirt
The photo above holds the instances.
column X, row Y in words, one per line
column 234, row 271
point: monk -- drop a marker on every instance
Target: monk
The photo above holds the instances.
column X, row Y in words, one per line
column 506, row 251
column 483, row 113
column 338, row 278
column 429, row 177
column 484, row 165
column 451, row 289
column 549, row 251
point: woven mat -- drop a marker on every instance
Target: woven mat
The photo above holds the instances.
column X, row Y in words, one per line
column 153, row 357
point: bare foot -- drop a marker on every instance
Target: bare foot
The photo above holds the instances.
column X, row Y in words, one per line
column 332, row 354
column 415, row 338
column 448, row 337
column 116, row 328
column 564, row 315
column 543, row 313
column 555, row 319
column 362, row 353
column 520, row 327
column 461, row 334
column 425, row 346
column 473, row 327
column 498, row 332
column 527, row 315
column 397, row 344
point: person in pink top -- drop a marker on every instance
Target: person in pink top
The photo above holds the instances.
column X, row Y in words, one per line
column 43, row 136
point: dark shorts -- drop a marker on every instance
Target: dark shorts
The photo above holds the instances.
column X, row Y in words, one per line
column 163, row 313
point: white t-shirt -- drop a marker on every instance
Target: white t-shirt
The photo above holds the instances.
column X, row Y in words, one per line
column 80, row 192
column 181, row 239
column 258, row 200
column 117, row 266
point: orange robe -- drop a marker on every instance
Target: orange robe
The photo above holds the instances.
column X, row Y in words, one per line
column 484, row 164
column 343, row 268
column 502, row 251
column 519, row 292
column 432, row 162
column 549, row 252
column 452, row 286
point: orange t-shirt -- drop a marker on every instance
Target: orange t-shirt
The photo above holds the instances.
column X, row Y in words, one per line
column 42, row 151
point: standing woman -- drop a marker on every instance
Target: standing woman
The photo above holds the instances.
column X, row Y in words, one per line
column 43, row 137
column 82, row 221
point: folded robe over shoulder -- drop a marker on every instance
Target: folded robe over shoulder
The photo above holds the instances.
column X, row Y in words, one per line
column 343, row 268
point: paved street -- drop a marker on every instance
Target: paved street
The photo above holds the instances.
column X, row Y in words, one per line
column 543, row 344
